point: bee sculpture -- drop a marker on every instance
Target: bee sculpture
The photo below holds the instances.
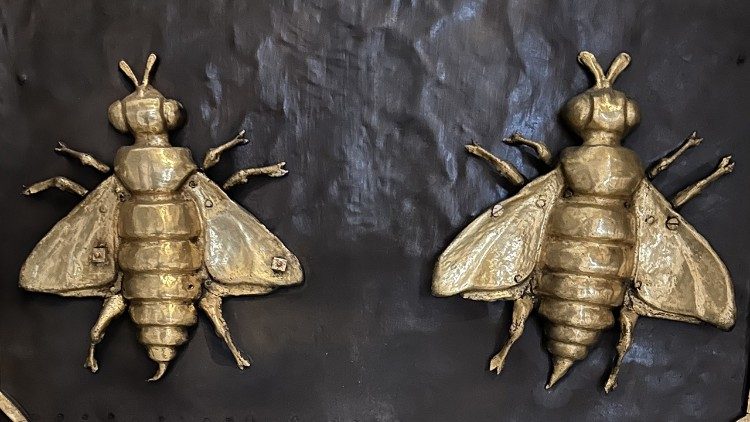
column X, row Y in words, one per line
column 591, row 236
column 158, row 236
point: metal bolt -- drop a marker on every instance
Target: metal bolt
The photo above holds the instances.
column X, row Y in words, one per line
column 650, row 219
column 673, row 223
column 278, row 264
column 209, row 203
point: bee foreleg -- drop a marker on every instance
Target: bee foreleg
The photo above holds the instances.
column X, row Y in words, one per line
column 59, row 182
column 214, row 154
column 541, row 150
column 113, row 307
column 276, row 170
column 725, row 167
column 692, row 141
column 521, row 310
column 211, row 305
column 85, row 159
column 508, row 170
column 628, row 318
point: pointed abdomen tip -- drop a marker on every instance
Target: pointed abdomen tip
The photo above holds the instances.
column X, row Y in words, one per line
column 560, row 367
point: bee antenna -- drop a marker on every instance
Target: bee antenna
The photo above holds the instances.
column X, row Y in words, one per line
column 587, row 59
column 618, row 65
column 128, row 72
column 149, row 65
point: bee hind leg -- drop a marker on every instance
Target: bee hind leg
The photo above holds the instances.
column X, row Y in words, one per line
column 211, row 304
column 628, row 318
column 521, row 310
column 59, row 182
column 726, row 166
column 113, row 307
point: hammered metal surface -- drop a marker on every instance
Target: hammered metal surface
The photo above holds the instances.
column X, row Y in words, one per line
column 370, row 103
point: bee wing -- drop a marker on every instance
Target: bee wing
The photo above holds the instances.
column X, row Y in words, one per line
column 677, row 274
column 239, row 249
column 493, row 256
column 77, row 257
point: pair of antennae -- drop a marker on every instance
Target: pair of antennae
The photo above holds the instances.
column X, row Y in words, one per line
column 146, row 74
column 618, row 65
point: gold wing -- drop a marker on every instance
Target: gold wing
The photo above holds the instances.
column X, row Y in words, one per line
column 77, row 257
column 677, row 274
column 240, row 253
column 493, row 257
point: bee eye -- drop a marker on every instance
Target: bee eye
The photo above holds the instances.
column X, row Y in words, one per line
column 173, row 114
column 116, row 114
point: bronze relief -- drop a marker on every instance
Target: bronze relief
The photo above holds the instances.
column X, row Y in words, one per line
column 158, row 237
column 590, row 237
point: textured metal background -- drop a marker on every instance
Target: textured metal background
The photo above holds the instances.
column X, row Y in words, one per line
column 370, row 103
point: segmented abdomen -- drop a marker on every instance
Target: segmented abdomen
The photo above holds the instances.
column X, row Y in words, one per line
column 160, row 257
column 588, row 257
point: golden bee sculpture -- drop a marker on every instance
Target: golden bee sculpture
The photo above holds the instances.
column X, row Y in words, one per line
column 591, row 236
column 158, row 236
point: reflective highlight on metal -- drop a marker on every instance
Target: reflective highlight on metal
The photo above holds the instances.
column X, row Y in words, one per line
column 158, row 236
column 591, row 236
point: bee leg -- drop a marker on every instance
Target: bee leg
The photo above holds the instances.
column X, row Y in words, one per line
column 628, row 318
column 521, row 309
column 725, row 167
column 506, row 169
column 214, row 154
column 541, row 150
column 692, row 141
column 113, row 307
column 85, row 159
column 59, row 182
column 275, row 170
column 211, row 305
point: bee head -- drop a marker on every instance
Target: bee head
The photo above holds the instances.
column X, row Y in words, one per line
column 145, row 113
column 601, row 114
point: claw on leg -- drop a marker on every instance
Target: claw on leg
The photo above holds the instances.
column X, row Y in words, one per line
column 725, row 167
column 113, row 307
column 628, row 318
column 276, row 170
column 211, row 305
column 692, row 141
column 503, row 167
column 521, row 311
column 85, row 159
column 541, row 150
column 214, row 154
column 59, row 182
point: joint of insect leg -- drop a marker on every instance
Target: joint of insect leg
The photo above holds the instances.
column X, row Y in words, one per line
column 214, row 154
column 59, row 182
column 726, row 166
column 691, row 141
column 84, row 158
column 540, row 149
column 628, row 318
column 506, row 169
column 276, row 170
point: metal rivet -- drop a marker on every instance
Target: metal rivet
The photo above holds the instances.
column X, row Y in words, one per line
column 192, row 184
column 102, row 209
column 278, row 264
column 541, row 202
column 209, row 203
column 637, row 284
column 568, row 193
column 673, row 223
column 496, row 210
column 650, row 219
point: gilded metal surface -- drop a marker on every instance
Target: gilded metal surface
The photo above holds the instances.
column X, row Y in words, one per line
column 591, row 236
column 158, row 236
column 11, row 411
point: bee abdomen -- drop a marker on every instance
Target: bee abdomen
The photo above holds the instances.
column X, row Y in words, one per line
column 163, row 325
column 573, row 326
